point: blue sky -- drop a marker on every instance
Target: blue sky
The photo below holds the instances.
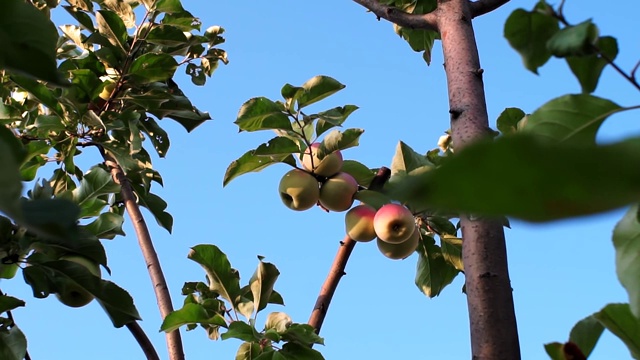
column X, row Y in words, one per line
column 560, row 272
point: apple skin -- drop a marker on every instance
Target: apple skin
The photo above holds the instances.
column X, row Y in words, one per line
column 359, row 223
column 394, row 223
column 72, row 294
column 299, row 190
column 402, row 250
column 328, row 166
column 336, row 194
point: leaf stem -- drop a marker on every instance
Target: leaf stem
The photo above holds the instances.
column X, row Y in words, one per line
column 339, row 264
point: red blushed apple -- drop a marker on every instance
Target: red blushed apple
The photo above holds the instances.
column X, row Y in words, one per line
column 328, row 166
column 299, row 190
column 394, row 223
column 359, row 223
column 336, row 194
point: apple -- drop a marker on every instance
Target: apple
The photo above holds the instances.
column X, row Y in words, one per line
column 328, row 166
column 299, row 190
column 394, row 223
column 72, row 294
column 336, row 194
column 108, row 88
column 401, row 250
column 359, row 223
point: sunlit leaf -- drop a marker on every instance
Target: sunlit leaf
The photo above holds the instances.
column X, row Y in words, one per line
column 190, row 314
column 250, row 162
column 222, row 278
column 433, row 272
column 618, row 319
column 318, row 88
column 260, row 114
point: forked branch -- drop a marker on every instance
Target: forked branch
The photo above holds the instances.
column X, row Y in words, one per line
column 339, row 264
column 399, row 17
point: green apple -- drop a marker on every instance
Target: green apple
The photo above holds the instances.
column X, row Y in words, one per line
column 336, row 194
column 394, row 223
column 401, row 250
column 72, row 294
column 359, row 223
column 299, row 190
column 328, row 166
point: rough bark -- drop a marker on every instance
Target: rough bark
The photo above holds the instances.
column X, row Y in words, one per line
column 492, row 318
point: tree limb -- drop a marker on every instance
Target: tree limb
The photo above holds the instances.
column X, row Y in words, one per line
column 174, row 341
column 339, row 264
column 143, row 341
column 399, row 17
column 494, row 334
column 481, row 7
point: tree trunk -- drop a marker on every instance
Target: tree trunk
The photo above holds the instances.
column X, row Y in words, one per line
column 494, row 333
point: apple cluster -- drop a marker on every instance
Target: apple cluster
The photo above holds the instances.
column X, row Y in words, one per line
column 319, row 182
column 393, row 225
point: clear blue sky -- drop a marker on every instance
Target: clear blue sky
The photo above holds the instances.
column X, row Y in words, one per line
column 561, row 272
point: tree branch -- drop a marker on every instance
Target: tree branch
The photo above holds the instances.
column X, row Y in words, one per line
column 339, row 264
column 481, row 7
column 174, row 341
column 143, row 341
column 399, row 17
column 494, row 334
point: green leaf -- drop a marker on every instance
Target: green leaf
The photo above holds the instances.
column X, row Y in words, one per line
column 372, row 198
column 166, row 35
column 262, row 282
column 222, row 278
column 156, row 205
column 81, row 16
column 159, row 138
column 28, row 40
column 96, row 182
column 260, row 114
column 585, row 334
column 243, row 331
column 626, row 240
column 336, row 140
column 277, row 146
column 190, row 314
column 359, row 171
column 419, row 40
column 248, row 351
column 150, row 67
column 618, row 319
column 406, row 160
column 529, row 178
column 250, row 162
column 182, row 20
column 45, row 95
column 333, row 117
column 11, row 155
column 433, row 272
column 508, row 120
column 589, row 68
column 318, row 88
column 574, row 118
column 554, row 350
column 106, row 226
column 53, row 219
column 451, row 247
column 303, row 334
column 578, row 40
column 111, row 26
column 299, row 351
column 169, row 6
column 528, row 33
column 13, row 343
column 8, row 303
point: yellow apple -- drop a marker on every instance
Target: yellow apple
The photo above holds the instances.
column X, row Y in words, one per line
column 108, row 88
column 394, row 223
column 336, row 194
column 299, row 190
column 359, row 223
column 401, row 250
column 328, row 166
column 72, row 294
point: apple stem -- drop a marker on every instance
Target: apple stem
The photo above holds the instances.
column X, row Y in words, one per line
column 339, row 264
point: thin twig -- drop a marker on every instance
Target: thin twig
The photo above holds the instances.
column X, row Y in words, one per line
column 339, row 264
column 143, row 341
column 399, row 17
column 482, row 7
column 174, row 341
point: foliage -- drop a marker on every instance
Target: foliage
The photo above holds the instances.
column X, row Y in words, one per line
column 215, row 306
column 102, row 82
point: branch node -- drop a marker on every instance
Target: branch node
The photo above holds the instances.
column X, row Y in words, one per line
column 455, row 113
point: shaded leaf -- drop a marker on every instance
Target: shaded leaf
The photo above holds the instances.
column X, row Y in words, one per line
column 577, row 40
column 8, row 303
column 554, row 350
column 528, row 33
column 243, row 331
column 618, row 319
column 250, row 162
column 318, row 88
column 277, row 146
column 406, row 160
column 260, row 114
column 333, row 117
column 248, row 351
column 156, row 205
column 589, row 68
column 585, row 334
column 111, row 26
column 152, row 67
column 433, row 273
column 359, row 171
column 529, row 178
column 190, row 314
column 107, row 226
column 303, row 334
column 11, row 155
column 13, row 344
column 508, row 120
column 96, row 182
column 451, row 247
column 626, row 240
column 261, row 284
column 299, row 351
column 222, row 278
